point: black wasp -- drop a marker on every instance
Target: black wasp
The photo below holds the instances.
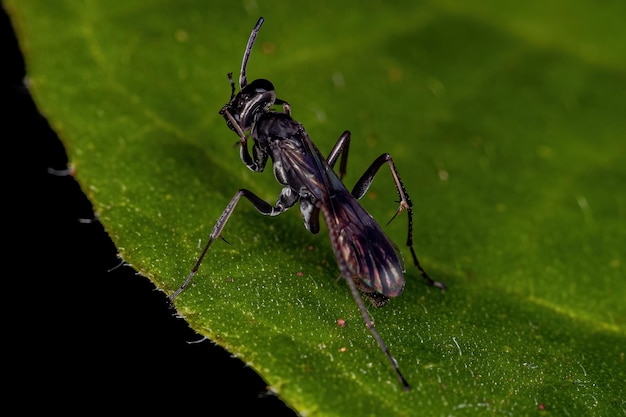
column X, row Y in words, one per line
column 369, row 261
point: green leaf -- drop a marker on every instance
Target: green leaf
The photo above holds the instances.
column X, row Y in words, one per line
column 505, row 120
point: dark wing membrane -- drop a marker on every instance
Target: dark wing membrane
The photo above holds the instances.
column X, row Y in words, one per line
column 362, row 248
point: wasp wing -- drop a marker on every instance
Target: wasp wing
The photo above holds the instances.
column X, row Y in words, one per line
column 364, row 252
column 362, row 248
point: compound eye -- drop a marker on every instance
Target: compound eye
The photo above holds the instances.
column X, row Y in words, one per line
column 261, row 85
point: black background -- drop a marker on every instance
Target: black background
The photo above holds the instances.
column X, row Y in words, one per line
column 83, row 331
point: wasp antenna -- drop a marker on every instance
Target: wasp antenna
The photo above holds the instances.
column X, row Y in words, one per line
column 243, row 81
column 232, row 85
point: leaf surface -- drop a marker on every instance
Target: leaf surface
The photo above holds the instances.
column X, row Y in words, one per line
column 505, row 121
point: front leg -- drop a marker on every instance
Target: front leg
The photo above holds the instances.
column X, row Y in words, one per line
column 286, row 106
column 256, row 164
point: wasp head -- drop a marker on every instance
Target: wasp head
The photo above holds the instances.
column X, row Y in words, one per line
column 249, row 103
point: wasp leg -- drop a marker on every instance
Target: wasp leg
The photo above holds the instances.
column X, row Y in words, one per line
column 285, row 201
column 341, row 147
column 345, row 272
column 286, row 106
column 363, row 184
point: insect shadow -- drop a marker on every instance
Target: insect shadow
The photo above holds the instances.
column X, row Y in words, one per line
column 368, row 260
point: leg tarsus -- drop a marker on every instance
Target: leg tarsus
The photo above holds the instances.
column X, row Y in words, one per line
column 424, row 275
